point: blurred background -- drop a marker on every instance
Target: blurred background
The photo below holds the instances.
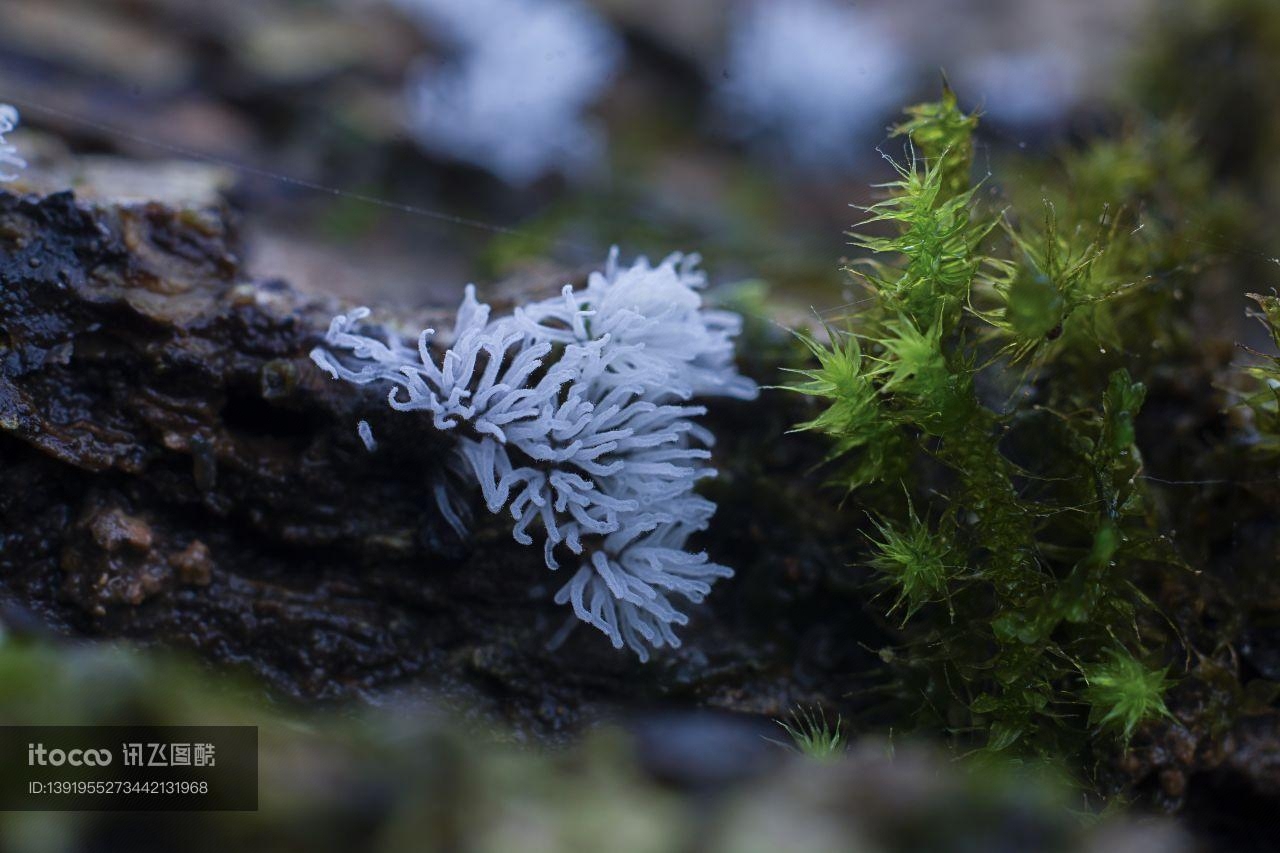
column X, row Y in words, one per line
column 458, row 140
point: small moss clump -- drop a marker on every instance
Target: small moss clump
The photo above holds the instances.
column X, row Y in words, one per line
column 1122, row 692
column 814, row 737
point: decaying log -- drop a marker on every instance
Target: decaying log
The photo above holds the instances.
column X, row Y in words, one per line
column 176, row 470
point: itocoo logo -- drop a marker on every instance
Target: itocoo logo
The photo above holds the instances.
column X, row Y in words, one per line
column 37, row 754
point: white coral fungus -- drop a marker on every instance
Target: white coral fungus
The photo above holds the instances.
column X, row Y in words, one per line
column 512, row 101
column 8, row 154
column 573, row 414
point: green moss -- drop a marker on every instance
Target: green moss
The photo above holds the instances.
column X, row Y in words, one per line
column 1053, row 288
column 1029, row 576
column 943, row 133
column 1122, row 693
column 862, row 432
column 813, row 736
column 935, row 236
column 915, row 561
